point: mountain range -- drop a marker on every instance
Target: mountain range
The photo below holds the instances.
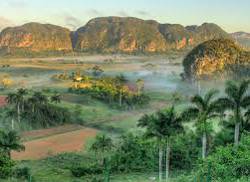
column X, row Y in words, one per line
column 108, row 35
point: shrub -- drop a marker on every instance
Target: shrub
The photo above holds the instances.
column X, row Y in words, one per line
column 6, row 166
column 227, row 162
column 22, row 173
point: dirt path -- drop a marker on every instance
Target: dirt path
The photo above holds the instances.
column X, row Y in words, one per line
column 71, row 141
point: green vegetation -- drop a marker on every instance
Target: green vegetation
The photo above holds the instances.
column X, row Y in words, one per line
column 37, row 109
column 114, row 91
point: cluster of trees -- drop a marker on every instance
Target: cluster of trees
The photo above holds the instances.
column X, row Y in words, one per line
column 181, row 147
column 112, row 90
column 35, row 108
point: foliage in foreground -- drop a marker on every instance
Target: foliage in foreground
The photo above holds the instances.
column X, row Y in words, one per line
column 227, row 163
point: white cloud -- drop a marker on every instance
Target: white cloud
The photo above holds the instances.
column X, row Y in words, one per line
column 4, row 22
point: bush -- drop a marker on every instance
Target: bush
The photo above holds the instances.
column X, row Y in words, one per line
column 93, row 169
column 227, row 163
column 6, row 166
column 22, row 173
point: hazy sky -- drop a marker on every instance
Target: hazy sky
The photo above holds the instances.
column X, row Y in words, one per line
column 232, row 15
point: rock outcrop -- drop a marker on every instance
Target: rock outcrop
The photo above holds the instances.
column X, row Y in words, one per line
column 215, row 58
column 36, row 37
column 116, row 34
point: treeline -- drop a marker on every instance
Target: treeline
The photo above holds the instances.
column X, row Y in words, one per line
column 35, row 109
column 116, row 91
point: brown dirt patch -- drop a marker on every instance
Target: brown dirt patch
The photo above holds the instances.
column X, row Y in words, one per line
column 73, row 141
column 36, row 134
column 3, row 101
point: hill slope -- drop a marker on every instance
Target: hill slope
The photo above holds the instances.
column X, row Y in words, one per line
column 215, row 58
column 36, row 37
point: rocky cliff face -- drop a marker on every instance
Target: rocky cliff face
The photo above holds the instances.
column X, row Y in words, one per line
column 115, row 34
column 215, row 58
column 108, row 35
column 36, row 37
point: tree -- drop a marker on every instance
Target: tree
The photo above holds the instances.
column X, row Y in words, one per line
column 103, row 145
column 140, row 85
column 162, row 126
column 11, row 114
column 10, row 140
column 21, row 94
column 6, row 166
column 40, row 98
column 15, row 99
column 237, row 100
column 55, row 98
column 120, row 81
column 203, row 109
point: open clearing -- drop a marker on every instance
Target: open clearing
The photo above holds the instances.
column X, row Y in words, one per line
column 53, row 141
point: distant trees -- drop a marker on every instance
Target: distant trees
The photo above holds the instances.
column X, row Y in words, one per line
column 113, row 90
column 37, row 108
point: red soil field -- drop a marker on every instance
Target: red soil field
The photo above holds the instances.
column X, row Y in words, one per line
column 73, row 141
column 3, row 101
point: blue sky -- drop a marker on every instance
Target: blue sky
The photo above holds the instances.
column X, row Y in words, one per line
column 232, row 15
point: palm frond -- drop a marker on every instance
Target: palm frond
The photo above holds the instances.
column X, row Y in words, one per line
column 245, row 102
column 210, row 95
column 244, row 85
column 190, row 113
column 225, row 103
column 232, row 90
column 199, row 102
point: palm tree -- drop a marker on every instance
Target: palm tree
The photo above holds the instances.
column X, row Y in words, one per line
column 140, row 85
column 103, row 145
column 55, row 98
column 32, row 101
column 41, row 99
column 237, row 100
column 120, row 81
column 10, row 114
column 9, row 140
column 15, row 99
column 21, row 93
column 203, row 109
column 162, row 126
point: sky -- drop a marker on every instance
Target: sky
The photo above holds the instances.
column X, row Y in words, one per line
column 231, row 15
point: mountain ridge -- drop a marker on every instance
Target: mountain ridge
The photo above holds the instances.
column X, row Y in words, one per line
column 108, row 35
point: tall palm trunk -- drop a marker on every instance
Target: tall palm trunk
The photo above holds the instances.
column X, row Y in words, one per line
column 204, row 145
column 120, row 99
column 167, row 160
column 237, row 128
column 160, row 163
column 22, row 105
column 18, row 112
column 236, row 134
column 12, row 124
